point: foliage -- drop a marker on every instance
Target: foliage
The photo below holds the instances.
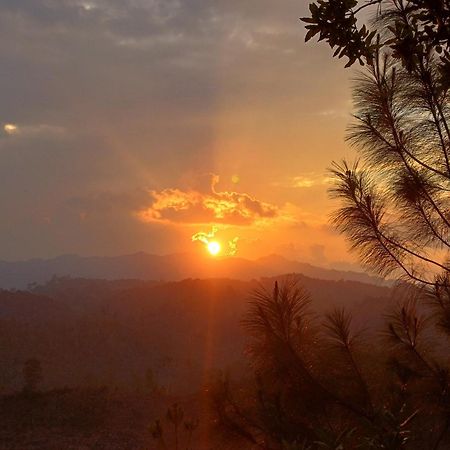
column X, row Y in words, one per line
column 322, row 384
column 395, row 200
column 174, row 417
column 410, row 30
column 313, row 386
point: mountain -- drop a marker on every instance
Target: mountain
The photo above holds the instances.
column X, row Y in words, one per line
column 144, row 266
column 110, row 332
column 278, row 265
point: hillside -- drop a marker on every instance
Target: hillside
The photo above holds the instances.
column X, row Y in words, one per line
column 112, row 332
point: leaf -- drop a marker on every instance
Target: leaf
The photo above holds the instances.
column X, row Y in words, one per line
column 313, row 8
column 311, row 32
column 350, row 62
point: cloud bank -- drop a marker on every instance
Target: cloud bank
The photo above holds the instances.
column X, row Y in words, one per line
column 195, row 207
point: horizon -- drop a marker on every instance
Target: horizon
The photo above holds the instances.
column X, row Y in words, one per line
column 203, row 254
column 29, row 274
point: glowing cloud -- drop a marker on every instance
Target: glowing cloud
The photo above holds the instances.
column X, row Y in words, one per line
column 304, row 181
column 232, row 246
column 232, row 208
column 213, row 246
column 204, row 237
column 10, row 128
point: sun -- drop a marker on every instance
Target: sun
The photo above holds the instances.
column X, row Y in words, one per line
column 214, row 248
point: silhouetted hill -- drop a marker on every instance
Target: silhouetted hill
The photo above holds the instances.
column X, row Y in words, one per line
column 154, row 267
column 279, row 265
column 96, row 332
column 26, row 307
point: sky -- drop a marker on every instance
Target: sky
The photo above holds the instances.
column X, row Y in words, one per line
column 131, row 125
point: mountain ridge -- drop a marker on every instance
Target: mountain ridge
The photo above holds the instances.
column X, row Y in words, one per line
column 174, row 267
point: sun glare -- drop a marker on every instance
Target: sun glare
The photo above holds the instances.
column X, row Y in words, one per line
column 214, row 248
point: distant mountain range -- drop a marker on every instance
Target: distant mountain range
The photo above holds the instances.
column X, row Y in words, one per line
column 144, row 266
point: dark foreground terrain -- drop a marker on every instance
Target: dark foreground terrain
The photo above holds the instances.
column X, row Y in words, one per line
column 101, row 419
column 109, row 358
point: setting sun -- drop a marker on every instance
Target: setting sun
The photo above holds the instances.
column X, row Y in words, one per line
column 214, row 248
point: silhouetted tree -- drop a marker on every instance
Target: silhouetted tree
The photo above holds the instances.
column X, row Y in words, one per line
column 395, row 204
column 312, row 386
column 174, row 416
column 395, row 200
column 410, row 30
column 321, row 384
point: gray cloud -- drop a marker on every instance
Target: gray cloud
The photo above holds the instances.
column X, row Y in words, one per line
column 130, row 95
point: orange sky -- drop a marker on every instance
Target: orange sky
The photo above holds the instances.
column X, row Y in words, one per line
column 182, row 115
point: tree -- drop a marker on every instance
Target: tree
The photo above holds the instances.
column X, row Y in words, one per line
column 410, row 29
column 174, row 417
column 322, row 384
column 395, row 203
column 395, row 200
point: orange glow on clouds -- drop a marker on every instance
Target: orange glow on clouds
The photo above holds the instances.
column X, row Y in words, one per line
column 213, row 246
column 195, row 207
